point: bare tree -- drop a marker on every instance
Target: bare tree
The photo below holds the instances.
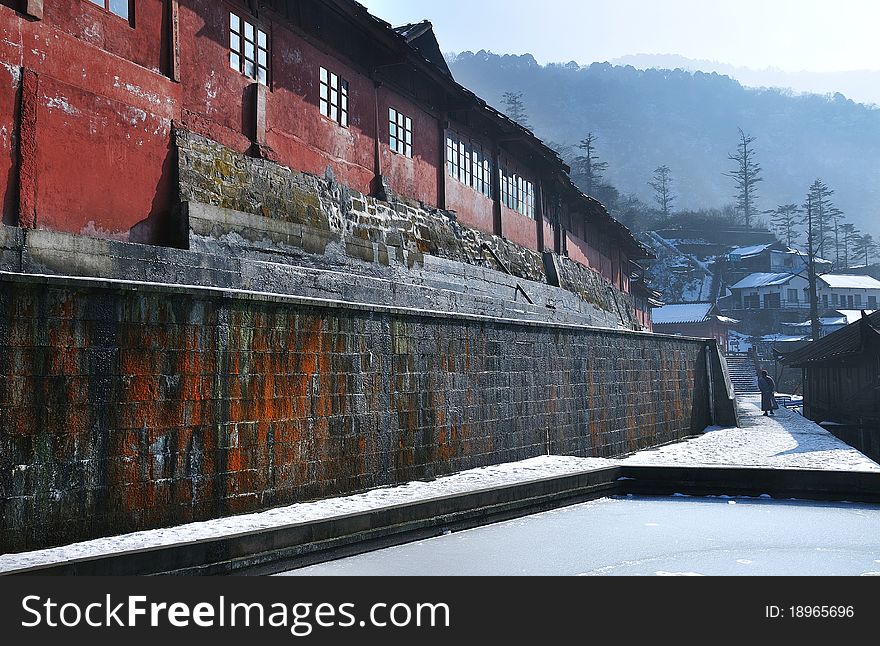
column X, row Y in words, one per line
column 785, row 220
column 746, row 175
column 587, row 167
column 516, row 109
column 662, row 185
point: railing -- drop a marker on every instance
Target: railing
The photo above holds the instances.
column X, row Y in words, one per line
column 734, row 306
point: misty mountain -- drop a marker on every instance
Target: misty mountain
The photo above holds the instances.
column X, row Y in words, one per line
column 862, row 86
column 688, row 121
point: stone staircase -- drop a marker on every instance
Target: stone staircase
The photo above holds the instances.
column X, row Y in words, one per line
column 743, row 374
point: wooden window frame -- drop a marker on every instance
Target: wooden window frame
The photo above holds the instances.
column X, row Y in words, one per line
column 333, row 97
column 399, row 123
column 466, row 163
column 104, row 5
column 518, row 193
column 248, row 35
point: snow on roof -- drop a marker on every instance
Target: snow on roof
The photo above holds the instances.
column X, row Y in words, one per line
column 825, row 322
column 852, row 316
column 681, row 313
column 745, row 252
column 782, row 338
column 844, row 281
column 847, row 317
column 763, row 280
column 804, row 255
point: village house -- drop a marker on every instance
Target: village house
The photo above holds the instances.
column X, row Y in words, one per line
column 830, row 321
column 95, row 91
column 772, row 258
column 769, row 291
column 848, row 292
column 698, row 320
column 841, row 382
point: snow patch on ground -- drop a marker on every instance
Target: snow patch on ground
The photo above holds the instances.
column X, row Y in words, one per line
column 787, row 441
column 465, row 482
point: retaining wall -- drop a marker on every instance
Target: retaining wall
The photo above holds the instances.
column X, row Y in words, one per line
column 129, row 406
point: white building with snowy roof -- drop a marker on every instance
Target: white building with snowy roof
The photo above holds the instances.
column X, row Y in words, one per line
column 848, row 291
column 829, row 321
column 773, row 257
column 771, row 291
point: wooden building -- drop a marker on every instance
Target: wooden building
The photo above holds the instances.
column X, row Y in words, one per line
column 841, row 375
column 91, row 92
column 697, row 320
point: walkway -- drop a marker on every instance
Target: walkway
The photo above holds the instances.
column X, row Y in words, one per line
column 787, row 441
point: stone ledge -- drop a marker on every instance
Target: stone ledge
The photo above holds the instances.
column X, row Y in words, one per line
column 268, row 297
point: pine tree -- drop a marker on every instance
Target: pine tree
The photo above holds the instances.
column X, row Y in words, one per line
column 586, row 168
column 516, row 109
column 823, row 208
column 866, row 248
column 746, row 176
column 785, row 221
column 835, row 217
column 663, row 195
column 850, row 236
column 812, row 280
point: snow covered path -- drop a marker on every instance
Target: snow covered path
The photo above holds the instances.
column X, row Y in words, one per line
column 787, row 441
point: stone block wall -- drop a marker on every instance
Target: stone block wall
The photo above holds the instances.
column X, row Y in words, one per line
column 129, row 406
column 341, row 227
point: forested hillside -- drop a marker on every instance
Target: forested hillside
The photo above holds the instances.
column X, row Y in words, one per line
column 689, row 122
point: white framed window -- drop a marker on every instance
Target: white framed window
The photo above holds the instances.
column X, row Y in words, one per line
column 121, row 8
column 400, row 132
column 248, row 49
column 466, row 162
column 334, row 97
column 517, row 193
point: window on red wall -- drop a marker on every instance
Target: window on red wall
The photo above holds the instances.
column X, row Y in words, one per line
column 334, row 97
column 248, row 49
column 467, row 163
column 400, row 132
column 121, row 8
column 517, row 193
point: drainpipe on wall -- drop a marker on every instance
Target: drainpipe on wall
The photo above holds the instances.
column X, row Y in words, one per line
column 539, row 215
column 380, row 187
column 442, row 125
column 496, row 191
column 174, row 40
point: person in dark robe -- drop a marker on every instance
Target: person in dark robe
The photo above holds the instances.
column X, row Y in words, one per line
column 768, row 394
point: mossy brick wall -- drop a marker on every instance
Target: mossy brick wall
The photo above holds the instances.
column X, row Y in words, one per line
column 126, row 407
column 370, row 230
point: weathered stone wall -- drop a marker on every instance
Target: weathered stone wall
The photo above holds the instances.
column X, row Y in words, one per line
column 337, row 226
column 131, row 406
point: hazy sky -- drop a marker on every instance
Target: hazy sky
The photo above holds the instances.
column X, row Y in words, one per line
column 793, row 35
